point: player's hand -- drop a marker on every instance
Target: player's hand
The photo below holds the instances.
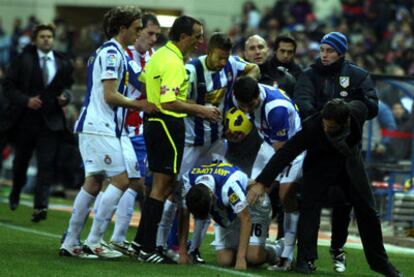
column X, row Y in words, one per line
column 147, row 107
column 241, row 264
column 234, row 136
column 210, row 113
column 255, row 192
column 34, row 103
column 62, row 100
column 184, row 258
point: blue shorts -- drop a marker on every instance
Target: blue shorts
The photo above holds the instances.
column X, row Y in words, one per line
column 140, row 149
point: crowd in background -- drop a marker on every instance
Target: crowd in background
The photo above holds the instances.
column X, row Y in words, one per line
column 380, row 35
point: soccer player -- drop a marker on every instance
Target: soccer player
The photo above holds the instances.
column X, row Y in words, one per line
column 219, row 190
column 140, row 53
column 166, row 85
column 277, row 120
column 103, row 142
column 211, row 79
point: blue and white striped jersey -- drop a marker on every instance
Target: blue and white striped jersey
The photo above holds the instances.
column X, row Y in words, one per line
column 227, row 183
column 277, row 118
column 209, row 88
column 108, row 62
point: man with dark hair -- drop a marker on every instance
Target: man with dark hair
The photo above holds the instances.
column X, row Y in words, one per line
column 140, row 52
column 276, row 118
column 284, row 50
column 103, row 142
column 166, row 83
column 219, row 190
column 37, row 87
column 211, row 79
column 256, row 51
column 332, row 140
column 333, row 77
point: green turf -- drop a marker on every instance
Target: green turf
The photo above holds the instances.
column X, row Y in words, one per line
column 29, row 249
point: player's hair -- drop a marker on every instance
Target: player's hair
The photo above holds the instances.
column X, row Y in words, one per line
column 42, row 27
column 287, row 38
column 182, row 25
column 198, row 201
column 219, row 41
column 149, row 17
column 336, row 110
column 118, row 17
column 246, row 89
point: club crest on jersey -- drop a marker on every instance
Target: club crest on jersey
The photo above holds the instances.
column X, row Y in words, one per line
column 344, row 81
column 111, row 60
column 107, row 159
column 234, row 198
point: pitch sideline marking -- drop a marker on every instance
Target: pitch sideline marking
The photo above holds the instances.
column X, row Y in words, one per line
column 54, row 236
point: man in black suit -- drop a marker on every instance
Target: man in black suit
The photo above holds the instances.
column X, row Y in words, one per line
column 332, row 139
column 37, row 86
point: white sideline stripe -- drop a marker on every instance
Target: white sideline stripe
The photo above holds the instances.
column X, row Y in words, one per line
column 50, row 235
column 28, row 230
column 229, row 271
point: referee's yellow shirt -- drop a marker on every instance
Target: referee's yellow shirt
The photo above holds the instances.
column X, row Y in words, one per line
column 165, row 78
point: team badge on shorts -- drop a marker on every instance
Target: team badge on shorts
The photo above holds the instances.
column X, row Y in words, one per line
column 344, row 81
column 107, row 159
column 343, row 93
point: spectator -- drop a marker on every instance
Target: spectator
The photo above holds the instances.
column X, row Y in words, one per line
column 284, row 54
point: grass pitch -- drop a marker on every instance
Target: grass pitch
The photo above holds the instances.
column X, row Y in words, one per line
column 31, row 249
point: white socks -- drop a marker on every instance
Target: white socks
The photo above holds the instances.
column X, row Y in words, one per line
column 106, row 208
column 78, row 217
column 164, row 227
column 200, row 230
column 123, row 215
column 97, row 202
column 290, row 224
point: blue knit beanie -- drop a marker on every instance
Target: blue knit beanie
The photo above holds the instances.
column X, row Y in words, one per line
column 337, row 40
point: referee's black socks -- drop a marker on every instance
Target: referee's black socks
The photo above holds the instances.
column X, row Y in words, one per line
column 148, row 227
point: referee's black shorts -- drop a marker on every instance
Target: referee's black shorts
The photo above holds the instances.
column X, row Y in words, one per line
column 164, row 138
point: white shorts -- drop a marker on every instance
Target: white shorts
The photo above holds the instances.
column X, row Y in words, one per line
column 205, row 154
column 108, row 155
column 290, row 174
column 261, row 216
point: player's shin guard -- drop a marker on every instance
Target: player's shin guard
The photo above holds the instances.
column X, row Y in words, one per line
column 200, row 230
column 110, row 199
column 123, row 215
column 290, row 225
column 78, row 217
column 168, row 214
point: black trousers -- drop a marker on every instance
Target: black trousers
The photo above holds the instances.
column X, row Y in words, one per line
column 27, row 140
column 369, row 227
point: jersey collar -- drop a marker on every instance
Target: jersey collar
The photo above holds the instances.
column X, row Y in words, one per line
column 170, row 45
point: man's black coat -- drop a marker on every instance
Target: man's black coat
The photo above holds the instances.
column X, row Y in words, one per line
column 24, row 80
column 324, row 165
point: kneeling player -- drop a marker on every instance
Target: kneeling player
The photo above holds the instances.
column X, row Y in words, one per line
column 219, row 189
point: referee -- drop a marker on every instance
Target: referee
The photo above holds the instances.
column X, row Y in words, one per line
column 166, row 83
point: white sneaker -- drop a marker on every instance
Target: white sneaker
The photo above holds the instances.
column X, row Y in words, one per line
column 76, row 251
column 102, row 250
column 123, row 247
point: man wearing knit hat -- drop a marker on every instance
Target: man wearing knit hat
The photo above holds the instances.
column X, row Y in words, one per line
column 331, row 76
